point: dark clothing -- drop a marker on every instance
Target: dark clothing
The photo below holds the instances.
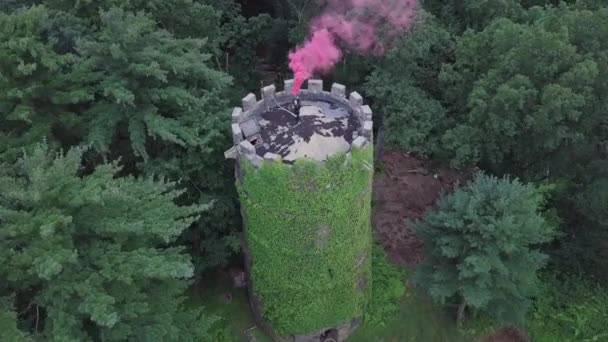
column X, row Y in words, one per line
column 296, row 108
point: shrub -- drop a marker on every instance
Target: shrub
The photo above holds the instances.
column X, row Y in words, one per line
column 569, row 309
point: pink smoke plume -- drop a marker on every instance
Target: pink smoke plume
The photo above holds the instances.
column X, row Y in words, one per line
column 366, row 26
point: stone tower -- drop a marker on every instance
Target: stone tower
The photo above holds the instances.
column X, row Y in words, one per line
column 305, row 188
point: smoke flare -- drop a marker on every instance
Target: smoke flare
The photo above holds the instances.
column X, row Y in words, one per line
column 366, row 26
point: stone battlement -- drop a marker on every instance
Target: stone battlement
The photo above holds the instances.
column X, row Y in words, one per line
column 253, row 119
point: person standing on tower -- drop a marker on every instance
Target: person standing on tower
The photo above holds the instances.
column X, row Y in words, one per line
column 296, row 108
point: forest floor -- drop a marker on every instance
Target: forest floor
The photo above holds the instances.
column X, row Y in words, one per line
column 405, row 187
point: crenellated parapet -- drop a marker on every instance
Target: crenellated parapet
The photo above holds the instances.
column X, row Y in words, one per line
column 245, row 119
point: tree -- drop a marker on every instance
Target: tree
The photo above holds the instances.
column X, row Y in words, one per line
column 521, row 96
column 89, row 256
column 101, row 75
column 406, row 90
column 8, row 322
column 518, row 97
column 461, row 15
column 482, row 247
column 11, row 5
column 148, row 84
column 528, row 99
column 38, row 95
column 183, row 18
column 161, row 94
column 583, row 248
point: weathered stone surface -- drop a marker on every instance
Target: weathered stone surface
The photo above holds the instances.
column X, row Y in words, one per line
column 356, row 100
column 359, row 142
column 322, row 235
column 238, row 278
column 306, row 339
column 315, row 85
column 367, row 113
column 361, row 260
column 246, row 148
column 348, row 159
column 368, row 127
column 331, row 335
column 250, row 127
column 231, row 153
column 249, row 101
column 237, row 134
column 255, row 160
column 237, row 112
column 367, row 166
column 288, row 86
column 338, row 90
column 362, row 283
column 271, row 157
column 268, row 91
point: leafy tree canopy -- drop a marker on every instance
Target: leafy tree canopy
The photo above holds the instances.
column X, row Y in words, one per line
column 521, row 94
column 517, row 97
column 406, row 90
column 524, row 96
column 460, row 15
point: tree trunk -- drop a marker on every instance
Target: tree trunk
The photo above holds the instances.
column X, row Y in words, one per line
column 461, row 308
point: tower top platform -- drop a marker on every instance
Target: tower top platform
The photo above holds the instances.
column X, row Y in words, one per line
column 328, row 124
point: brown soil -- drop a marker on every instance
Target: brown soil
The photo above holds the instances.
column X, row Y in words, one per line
column 405, row 187
column 506, row 334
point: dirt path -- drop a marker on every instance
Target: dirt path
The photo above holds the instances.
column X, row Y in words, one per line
column 405, row 188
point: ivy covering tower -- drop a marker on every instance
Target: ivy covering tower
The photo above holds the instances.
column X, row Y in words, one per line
column 305, row 189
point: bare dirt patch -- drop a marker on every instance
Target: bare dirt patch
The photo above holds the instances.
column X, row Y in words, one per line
column 406, row 187
column 506, row 334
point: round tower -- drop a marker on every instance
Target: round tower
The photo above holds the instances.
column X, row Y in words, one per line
column 305, row 182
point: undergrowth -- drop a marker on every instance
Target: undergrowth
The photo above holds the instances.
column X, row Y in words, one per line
column 387, row 289
column 569, row 309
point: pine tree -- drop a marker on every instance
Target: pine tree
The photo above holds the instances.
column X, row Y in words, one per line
column 8, row 323
column 37, row 92
column 89, row 256
column 482, row 247
column 129, row 81
column 148, row 85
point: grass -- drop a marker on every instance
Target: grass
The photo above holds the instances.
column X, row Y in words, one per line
column 417, row 318
column 235, row 312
